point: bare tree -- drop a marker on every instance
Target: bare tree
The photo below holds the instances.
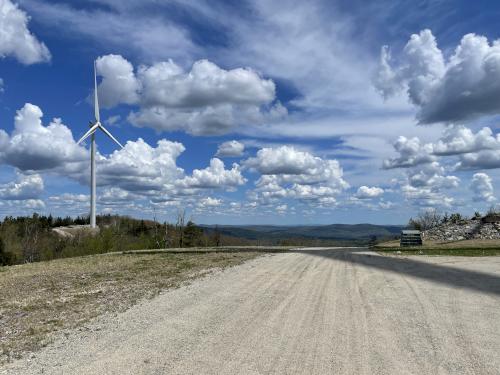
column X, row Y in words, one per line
column 179, row 226
column 217, row 237
column 31, row 233
column 426, row 220
column 156, row 238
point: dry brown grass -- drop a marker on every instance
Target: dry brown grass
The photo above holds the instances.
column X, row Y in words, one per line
column 39, row 299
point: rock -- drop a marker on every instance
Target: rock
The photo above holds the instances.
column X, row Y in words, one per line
column 465, row 229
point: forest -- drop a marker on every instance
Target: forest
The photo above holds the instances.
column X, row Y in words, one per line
column 26, row 239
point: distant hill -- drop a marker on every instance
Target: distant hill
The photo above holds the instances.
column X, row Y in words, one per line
column 338, row 232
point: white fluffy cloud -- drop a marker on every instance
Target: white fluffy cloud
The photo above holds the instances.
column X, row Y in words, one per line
column 479, row 150
column 119, row 84
column 282, row 160
column 425, row 185
column 204, row 101
column 214, row 176
column 460, row 88
column 411, row 153
column 488, row 159
column 365, row 192
column 431, row 175
column 23, row 188
column 15, row 38
column 461, row 140
column 33, row 146
column 230, row 149
column 426, row 197
column 482, row 187
column 290, row 173
column 209, row 202
column 137, row 172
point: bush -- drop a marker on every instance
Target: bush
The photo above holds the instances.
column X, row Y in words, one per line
column 6, row 258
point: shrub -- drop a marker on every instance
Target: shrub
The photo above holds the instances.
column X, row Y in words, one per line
column 6, row 258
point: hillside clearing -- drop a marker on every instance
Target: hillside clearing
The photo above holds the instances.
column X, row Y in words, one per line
column 39, row 299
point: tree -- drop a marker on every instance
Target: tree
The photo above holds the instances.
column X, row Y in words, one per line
column 30, row 237
column 179, row 227
column 455, row 218
column 192, row 234
column 426, row 220
column 6, row 258
column 217, row 237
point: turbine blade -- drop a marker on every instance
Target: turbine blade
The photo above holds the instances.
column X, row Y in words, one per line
column 96, row 99
column 109, row 134
column 89, row 133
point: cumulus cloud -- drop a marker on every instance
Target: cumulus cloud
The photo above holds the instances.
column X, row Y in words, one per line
column 209, row 202
column 206, row 100
column 426, row 197
column 482, row 187
column 214, row 176
column 365, row 192
column 33, row 146
column 23, row 188
column 230, row 149
column 137, row 172
column 431, row 175
column 289, row 173
column 425, row 185
column 463, row 87
column 488, row 159
column 461, row 140
column 119, row 84
column 141, row 167
column 15, row 38
column 411, row 153
column 475, row 150
column 282, row 160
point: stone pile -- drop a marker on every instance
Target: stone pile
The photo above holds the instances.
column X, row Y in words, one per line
column 489, row 231
column 464, row 230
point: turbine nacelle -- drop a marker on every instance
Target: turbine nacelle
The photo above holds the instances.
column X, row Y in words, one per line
column 97, row 125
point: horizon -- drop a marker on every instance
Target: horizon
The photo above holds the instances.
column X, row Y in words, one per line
column 251, row 114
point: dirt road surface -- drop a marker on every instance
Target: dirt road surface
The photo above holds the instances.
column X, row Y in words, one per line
column 322, row 311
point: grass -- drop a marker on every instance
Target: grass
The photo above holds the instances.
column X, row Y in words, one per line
column 37, row 300
column 457, row 248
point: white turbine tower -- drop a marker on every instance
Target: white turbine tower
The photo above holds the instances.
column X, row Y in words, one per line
column 93, row 128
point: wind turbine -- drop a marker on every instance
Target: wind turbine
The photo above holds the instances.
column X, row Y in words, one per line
column 91, row 133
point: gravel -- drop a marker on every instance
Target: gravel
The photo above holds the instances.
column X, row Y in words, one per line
column 342, row 311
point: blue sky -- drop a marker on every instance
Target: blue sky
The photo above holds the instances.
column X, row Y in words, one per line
column 252, row 112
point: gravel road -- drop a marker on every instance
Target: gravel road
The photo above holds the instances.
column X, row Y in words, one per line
column 322, row 311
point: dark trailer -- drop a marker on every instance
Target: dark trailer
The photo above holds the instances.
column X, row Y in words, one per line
column 410, row 238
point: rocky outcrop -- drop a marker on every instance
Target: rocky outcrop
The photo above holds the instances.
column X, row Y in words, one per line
column 464, row 230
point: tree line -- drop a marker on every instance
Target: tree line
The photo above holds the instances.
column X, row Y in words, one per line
column 25, row 239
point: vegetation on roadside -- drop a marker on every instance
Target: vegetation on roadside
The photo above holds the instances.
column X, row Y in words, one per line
column 31, row 238
column 428, row 219
column 39, row 299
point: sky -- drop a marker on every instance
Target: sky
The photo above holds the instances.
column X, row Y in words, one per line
column 251, row 112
